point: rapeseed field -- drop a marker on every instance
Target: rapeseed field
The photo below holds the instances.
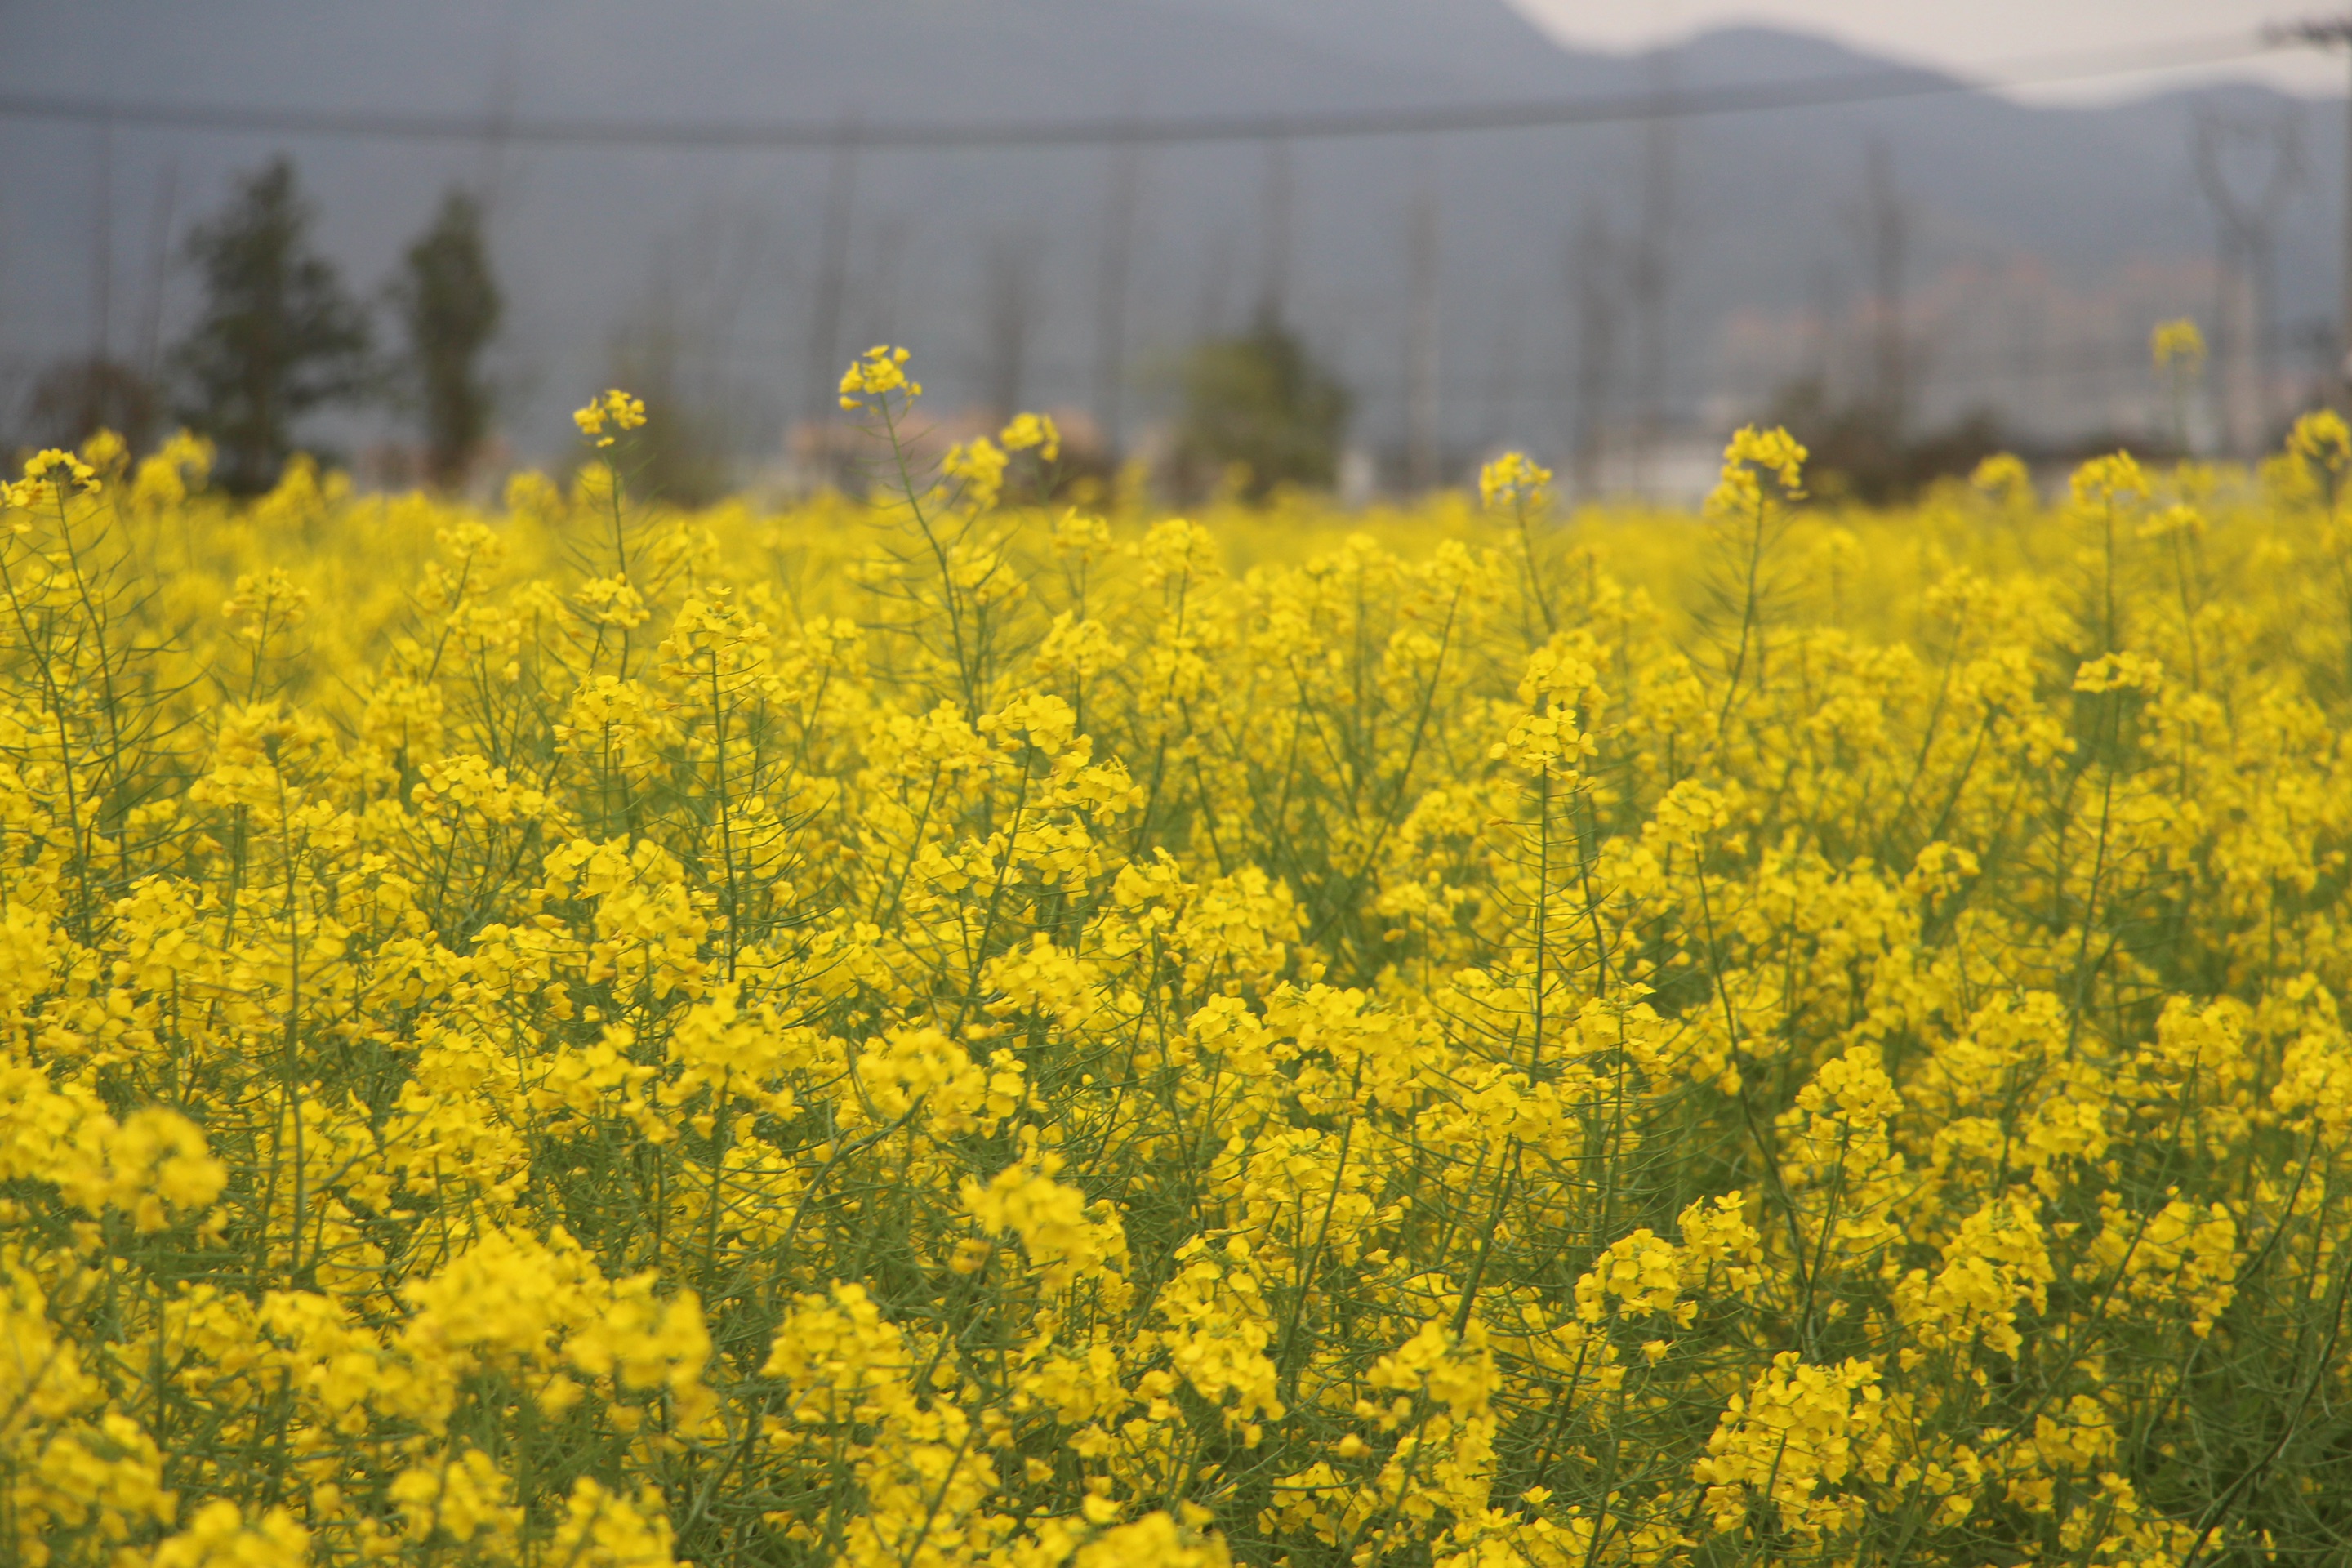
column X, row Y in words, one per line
column 942, row 1029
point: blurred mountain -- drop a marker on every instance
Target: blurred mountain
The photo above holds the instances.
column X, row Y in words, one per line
column 2038, row 244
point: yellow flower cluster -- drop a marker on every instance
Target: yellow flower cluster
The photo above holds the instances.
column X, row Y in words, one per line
column 930, row 1031
column 1511, row 479
column 615, row 408
column 37, row 488
column 2175, row 340
column 879, row 372
column 978, row 466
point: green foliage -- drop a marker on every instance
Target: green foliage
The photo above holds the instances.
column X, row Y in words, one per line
column 280, row 337
column 449, row 306
column 1259, row 404
column 1863, row 452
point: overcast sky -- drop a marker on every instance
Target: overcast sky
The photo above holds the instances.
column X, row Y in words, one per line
column 1979, row 35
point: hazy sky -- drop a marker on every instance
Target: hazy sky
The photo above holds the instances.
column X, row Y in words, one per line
column 1981, row 34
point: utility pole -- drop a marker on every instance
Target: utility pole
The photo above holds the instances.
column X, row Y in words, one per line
column 1592, row 273
column 1821, row 340
column 2331, row 33
column 499, row 129
column 1503, row 374
column 833, row 274
column 101, row 260
column 148, row 353
column 1008, row 313
column 2247, row 218
column 1650, row 268
column 1420, row 407
column 875, row 298
column 1111, row 296
column 1273, row 236
column 1886, row 233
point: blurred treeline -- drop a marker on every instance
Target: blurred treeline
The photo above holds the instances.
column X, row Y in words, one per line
column 282, row 337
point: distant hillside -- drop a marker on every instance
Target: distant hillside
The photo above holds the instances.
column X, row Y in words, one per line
column 2040, row 242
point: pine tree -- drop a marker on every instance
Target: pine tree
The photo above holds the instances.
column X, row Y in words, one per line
column 279, row 338
column 449, row 304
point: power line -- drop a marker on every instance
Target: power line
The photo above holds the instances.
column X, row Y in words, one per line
column 1604, row 108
